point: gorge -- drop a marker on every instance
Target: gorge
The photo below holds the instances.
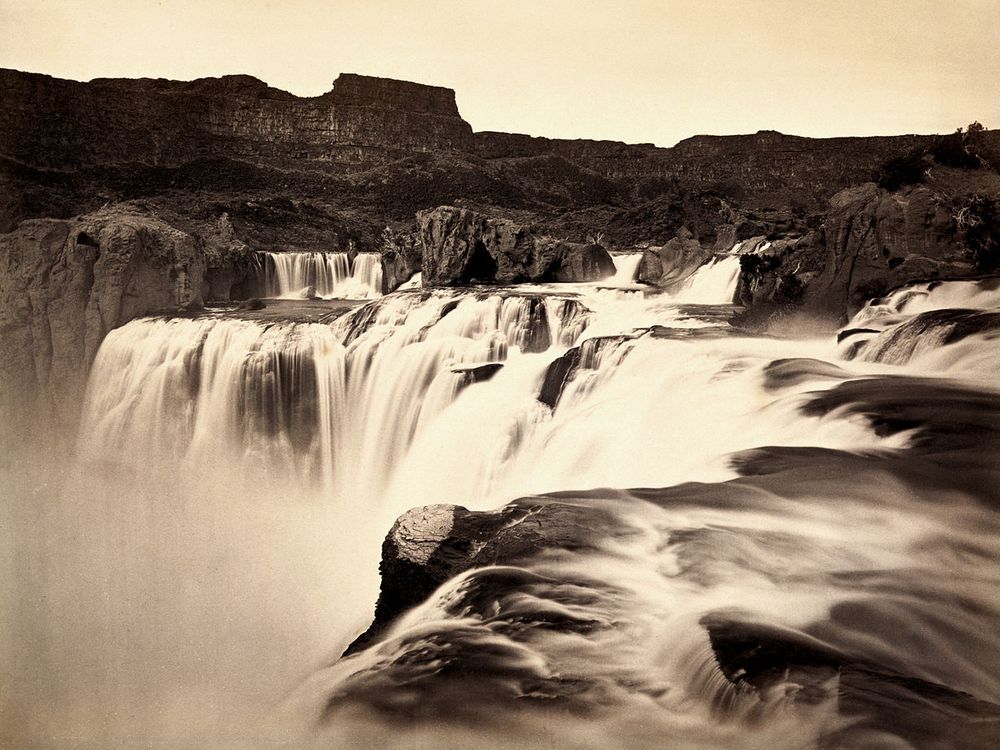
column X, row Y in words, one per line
column 343, row 425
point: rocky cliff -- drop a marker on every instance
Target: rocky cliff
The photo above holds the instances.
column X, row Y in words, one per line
column 65, row 284
column 57, row 124
column 872, row 240
column 232, row 165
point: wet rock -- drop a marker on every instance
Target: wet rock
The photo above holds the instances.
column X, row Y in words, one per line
column 934, row 328
column 848, row 332
column 778, row 662
column 674, row 262
column 432, row 544
column 561, row 370
column 557, row 375
column 477, row 373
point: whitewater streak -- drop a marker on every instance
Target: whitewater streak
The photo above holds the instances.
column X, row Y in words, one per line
column 218, row 426
column 326, row 275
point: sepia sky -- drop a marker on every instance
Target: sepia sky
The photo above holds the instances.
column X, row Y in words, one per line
column 632, row 70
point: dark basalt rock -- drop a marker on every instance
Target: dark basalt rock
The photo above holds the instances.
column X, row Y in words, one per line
column 432, row 544
column 254, row 303
column 848, row 332
column 673, row 263
column 896, row 345
column 557, row 375
column 870, row 242
column 477, row 373
column 767, row 657
column 461, row 246
column 561, row 370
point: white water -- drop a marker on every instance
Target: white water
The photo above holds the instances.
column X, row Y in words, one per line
column 626, row 268
column 714, row 283
column 918, row 298
column 235, row 479
column 895, row 330
column 327, row 275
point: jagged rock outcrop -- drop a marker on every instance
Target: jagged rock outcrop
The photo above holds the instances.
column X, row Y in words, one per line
column 431, row 544
column 64, row 285
column 401, row 258
column 461, row 246
column 871, row 241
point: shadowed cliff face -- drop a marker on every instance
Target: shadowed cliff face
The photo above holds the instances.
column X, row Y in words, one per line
column 870, row 242
column 60, row 124
column 65, row 284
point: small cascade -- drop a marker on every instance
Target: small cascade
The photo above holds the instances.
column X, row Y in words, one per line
column 947, row 325
column 328, row 275
column 626, row 268
column 982, row 294
column 366, row 277
column 712, row 284
column 414, row 282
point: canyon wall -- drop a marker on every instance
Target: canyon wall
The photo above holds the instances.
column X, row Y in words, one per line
column 768, row 168
column 57, row 124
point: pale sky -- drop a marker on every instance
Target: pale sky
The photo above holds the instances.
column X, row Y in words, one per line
column 633, row 70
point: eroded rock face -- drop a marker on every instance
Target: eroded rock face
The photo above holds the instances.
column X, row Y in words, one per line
column 674, row 262
column 871, row 241
column 64, row 285
column 50, row 122
column 461, row 246
column 401, row 258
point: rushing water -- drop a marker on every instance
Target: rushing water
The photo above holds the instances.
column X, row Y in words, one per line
column 323, row 275
column 217, row 548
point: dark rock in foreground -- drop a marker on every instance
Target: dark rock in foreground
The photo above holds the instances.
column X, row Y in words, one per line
column 540, row 606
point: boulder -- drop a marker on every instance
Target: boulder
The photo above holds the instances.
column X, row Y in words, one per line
column 460, row 246
column 432, row 544
column 674, row 262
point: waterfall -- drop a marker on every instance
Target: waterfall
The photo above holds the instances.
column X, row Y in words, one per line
column 235, row 478
column 310, row 400
column 942, row 326
column 712, row 284
column 326, row 275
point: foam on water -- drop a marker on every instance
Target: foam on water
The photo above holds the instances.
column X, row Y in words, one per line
column 329, row 275
column 220, row 452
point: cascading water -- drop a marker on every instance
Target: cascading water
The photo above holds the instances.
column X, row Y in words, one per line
column 802, row 499
column 626, row 268
column 713, row 283
column 324, row 275
column 945, row 326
